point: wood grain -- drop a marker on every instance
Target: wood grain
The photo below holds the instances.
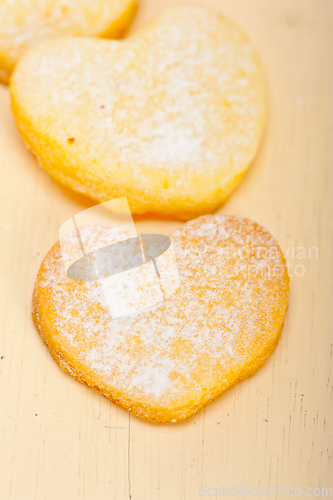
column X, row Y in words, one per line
column 60, row 440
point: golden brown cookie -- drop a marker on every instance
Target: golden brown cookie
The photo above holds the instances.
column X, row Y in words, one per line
column 171, row 117
column 166, row 362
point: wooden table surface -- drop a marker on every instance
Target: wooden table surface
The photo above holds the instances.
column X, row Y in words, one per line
column 61, row 441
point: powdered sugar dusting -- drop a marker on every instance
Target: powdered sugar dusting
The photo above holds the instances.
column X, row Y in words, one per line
column 183, row 97
column 26, row 23
column 223, row 313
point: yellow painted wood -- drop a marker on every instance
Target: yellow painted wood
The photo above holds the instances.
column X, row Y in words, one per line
column 58, row 440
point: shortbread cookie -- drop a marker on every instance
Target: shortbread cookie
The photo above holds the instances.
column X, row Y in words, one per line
column 170, row 117
column 168, row 361
column 26, row 23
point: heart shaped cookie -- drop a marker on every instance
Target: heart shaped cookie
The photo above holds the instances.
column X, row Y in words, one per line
column 169, row 360
column 170, row 117
column 24, row 24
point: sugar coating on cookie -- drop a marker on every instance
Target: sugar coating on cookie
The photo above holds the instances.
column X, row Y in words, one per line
column 165, row 363
column 25, row 24
column 170, row 117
